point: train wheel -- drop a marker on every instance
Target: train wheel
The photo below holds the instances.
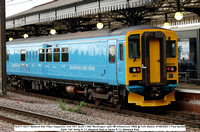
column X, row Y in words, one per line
column 21, row 87
column 90, row 96
column 119, row 104
column 15, row 87
column 63, row 91
column 97, row 101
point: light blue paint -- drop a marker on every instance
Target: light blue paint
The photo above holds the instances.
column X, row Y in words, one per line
column 135, row 88
column 88, row 61
column 169, row 87
column 139, row 89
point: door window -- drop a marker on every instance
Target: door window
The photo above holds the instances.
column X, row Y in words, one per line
column 112, row 53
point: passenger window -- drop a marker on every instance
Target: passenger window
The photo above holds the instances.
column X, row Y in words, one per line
column 27, row 53
column 33, row 56
column 36, row 55
column 56, row 55
column 23, row 54
column 121, row 52
column 171, row 49
column 65, row 55
column 7, row 55
column 41, row 55
column 49, row 55
column 112, row 54
column 134, row 46
column 30, row 55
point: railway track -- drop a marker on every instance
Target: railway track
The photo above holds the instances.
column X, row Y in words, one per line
column 14, row 121
column 168, row 116
column 30, row 116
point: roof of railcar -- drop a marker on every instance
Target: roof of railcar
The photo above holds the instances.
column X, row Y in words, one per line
column 82, row 35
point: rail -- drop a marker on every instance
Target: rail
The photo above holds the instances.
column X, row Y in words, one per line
column 14, row 121
column 172, row 118
column 59, row 121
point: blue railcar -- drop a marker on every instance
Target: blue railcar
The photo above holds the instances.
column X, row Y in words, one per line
column 102, row 65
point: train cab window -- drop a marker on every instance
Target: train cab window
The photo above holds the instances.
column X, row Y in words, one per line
column 7, row 55
column 41, row 55
column 121, row 57
column 65, row 55
column 23, row 54
column 171, row 49
column 56, row 55
column 49, row 55
column 112, row 54
column 134, row 46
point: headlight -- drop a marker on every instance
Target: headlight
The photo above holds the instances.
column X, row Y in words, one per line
column 171, row 68
column 134, row 70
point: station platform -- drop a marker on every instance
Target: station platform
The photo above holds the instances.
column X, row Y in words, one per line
column 188, row 88
column 188, row 92
column 188, row 97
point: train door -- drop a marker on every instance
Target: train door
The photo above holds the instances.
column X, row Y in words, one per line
column 112, row 61
column 48, row 64
column 121, row 63
column 154, row 58
column 23, row 60
column 41, row 63
column 28, row 61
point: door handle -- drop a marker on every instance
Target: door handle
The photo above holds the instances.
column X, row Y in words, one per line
column 119, row 69
column 158, row 60
column 144, row 67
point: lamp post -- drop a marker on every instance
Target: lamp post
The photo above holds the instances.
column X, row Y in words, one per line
column 166, row 24
column 25, row 35
column 10, row 39
column 3, row 46
column 53, row 31
column 178, row 15
column 100, row 25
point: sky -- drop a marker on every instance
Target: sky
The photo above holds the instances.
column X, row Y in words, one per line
column 16, row 6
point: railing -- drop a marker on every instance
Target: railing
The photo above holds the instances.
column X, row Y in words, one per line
column 190, row 76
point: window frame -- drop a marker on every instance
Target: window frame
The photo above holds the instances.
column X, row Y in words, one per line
column 168, row 42
column 56, row 53
column 7, row 55
column 112, row 60
column 121, row 52
column 23, row 54
column 43, row 53
column 47, row 52
column 137, row 38
column 33, row 55
column 67, row 54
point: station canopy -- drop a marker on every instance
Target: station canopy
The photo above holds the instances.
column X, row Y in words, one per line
column 82, row 15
